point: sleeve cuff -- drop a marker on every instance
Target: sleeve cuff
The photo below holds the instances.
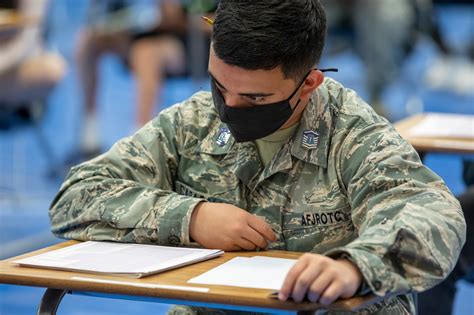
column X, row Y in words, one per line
column 367, row 264
column 173, row 226
column 364, row 288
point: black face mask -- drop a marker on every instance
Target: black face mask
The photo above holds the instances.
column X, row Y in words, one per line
column 251, row 123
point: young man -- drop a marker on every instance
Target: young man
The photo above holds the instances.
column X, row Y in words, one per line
column 275, row 157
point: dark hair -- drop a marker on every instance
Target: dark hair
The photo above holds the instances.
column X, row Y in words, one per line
column 265, row 34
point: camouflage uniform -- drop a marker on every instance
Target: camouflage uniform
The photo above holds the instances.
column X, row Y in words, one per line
column 346, row 184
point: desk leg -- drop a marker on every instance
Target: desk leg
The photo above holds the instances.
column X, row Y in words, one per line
column 50, row 301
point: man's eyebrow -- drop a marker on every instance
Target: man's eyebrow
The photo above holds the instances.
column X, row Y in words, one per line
column 215, row 80
column 241, row 94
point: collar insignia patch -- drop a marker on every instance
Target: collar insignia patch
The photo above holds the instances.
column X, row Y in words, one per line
column 310, row 140
column 223, row 136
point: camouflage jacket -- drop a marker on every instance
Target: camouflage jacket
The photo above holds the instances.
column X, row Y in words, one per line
column 344, row 184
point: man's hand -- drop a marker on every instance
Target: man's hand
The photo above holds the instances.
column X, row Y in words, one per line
column 227, row 227
column 321, row 279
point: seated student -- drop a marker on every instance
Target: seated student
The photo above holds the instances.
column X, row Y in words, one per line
column 28, row 72
column 276, row 157
column 146, row 35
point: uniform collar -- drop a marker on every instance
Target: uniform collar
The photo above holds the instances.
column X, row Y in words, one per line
column 218, row 141
column 246, row 165
column 315, row 125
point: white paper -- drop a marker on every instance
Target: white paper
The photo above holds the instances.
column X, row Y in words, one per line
column 256, row 272
column 445, row 125
column 118, row 258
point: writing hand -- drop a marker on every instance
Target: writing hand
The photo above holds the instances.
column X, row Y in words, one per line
column 227, row 227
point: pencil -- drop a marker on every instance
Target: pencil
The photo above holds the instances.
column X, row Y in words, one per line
column 208, row 20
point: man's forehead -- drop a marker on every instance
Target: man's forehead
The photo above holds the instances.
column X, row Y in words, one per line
column 215, row 61
column 233, row 77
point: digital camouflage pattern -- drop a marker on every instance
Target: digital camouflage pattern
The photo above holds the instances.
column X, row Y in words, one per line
column 360, row 192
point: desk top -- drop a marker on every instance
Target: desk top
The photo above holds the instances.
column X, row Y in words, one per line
column 433, row 144
column 12, row 274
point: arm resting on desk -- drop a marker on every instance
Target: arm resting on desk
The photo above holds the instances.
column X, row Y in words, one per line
column 127, row 193
column 411, row 228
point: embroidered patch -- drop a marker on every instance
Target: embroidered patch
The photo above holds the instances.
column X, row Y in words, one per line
column 223, row 137
column 324, row 218
column 186, row 190
column 310, row 139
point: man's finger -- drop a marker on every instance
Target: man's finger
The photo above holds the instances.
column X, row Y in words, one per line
column 290, row 279
column 319, row 286
column 304, row 282
column 245, row 244
column 261, row 227
column 332, row 293
column 233, row 248
column 254, row 237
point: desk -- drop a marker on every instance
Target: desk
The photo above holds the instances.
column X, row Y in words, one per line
column 58, row 283
column 433, row 144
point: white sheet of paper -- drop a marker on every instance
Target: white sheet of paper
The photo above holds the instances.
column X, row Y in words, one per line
column 256, row 272
column 445, row 125
column 118, row 258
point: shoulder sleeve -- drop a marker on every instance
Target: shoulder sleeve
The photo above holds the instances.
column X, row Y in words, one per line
column 127, row 194
column 410, row 227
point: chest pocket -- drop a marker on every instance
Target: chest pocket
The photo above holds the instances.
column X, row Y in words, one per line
column 317, row 230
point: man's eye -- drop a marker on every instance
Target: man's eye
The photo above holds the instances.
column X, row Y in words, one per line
column 257, row 99
column 220, row 89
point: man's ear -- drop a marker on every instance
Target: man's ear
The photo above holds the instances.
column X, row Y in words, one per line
column 312, row 82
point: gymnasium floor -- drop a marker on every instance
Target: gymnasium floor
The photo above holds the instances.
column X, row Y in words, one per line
column 26, row 189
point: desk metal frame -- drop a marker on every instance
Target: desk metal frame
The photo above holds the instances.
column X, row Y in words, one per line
column 53, row 297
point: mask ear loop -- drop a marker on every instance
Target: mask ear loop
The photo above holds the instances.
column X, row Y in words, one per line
column 304, row 79
column 328, row 70
column 298, row 87
column 296, row 106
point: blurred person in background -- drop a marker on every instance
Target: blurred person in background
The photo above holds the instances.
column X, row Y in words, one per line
column 147, row 36
column 383, row 33
column 28, row 71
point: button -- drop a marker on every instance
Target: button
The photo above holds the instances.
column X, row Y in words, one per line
column 377, row 285
column 174, row 240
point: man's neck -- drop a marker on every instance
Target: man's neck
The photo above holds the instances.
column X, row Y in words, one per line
column 296, row 117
